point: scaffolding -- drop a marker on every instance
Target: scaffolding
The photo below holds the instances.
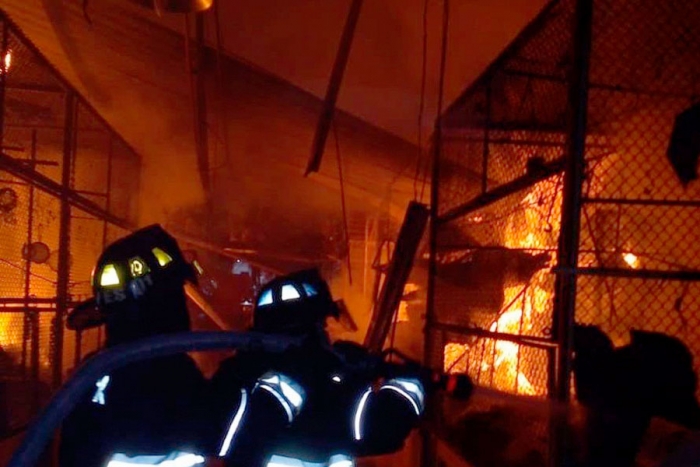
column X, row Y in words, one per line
column 556, row 200
column 68, row 186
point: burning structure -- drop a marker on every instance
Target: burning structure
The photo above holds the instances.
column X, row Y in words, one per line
column 517, row 227
column 270, row 120
column 605, row 84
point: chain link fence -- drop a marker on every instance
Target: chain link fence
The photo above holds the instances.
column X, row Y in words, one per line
column 499, row 211
column 500, row 194
column 36, row 135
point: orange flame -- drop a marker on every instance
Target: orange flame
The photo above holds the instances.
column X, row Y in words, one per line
column 535, row 226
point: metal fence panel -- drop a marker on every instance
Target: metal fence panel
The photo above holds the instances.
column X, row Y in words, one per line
column 34, row 346
column 499, row 192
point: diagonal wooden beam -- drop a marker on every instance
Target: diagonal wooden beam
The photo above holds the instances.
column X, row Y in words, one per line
column 341, row 60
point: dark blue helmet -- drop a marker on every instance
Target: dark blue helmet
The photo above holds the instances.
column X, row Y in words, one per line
column 138, row 286
column 294, row 304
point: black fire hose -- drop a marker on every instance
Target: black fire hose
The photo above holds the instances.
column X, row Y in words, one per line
column 67, row 397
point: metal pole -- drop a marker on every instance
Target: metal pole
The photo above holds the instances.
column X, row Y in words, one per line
column 565, row 284
column 32, row 316
column 3, row 75
column 568, row 248
column 62, row 292
column 486, row 142
column 428, row 452
column 108, row 207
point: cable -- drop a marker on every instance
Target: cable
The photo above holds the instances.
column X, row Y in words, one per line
column 441, row 91
column 342, row 200
column 223, row 115
column 421, row 108
column 86, row 15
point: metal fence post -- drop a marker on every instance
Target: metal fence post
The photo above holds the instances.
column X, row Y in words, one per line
column 428, row 453
column 3, row 74
column 568, row 248
column 63, row 279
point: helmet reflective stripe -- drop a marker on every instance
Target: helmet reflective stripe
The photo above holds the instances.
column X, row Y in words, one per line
column 265, row 298
column 411, row 389
column 289, row 394
column 289, row 292
column 161, row 256
column 99, row 396
column 235, row 423
column 285, row 405
column 310, row 290
column 109, row 276
column 359, row 413
column 174, row 459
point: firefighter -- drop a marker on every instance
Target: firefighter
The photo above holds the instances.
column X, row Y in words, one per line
column 322, row 403
column 146, row 413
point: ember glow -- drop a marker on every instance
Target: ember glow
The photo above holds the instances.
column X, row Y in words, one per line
column 631, row 259
column 8, row 61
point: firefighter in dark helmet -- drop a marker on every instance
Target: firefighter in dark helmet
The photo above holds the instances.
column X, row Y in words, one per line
column 146, row 413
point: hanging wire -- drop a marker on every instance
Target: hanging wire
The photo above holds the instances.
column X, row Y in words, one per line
column 421, row 108
column 441, row 88
column 86, row 15
column 342, row 199
column 223, row 127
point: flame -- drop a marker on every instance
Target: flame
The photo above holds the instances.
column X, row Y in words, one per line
column 8, row 61
column 402, row 315
column 631, row 259
column 454, row 360
column 504, row 365
column 507, row 354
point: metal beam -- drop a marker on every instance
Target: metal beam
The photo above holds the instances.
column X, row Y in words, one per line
column 530, row 341
column 47, row 185
column 574, row 174
column 3, row 76
column 563, row 315
column 35, row 88
column 551, row 168
column 632, row 273
column 341, row 60
column 399, row 269
column 644, row 202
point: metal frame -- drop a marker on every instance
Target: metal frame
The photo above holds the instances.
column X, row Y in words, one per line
column 24, row 172
column 577, row 136
column 572, row 145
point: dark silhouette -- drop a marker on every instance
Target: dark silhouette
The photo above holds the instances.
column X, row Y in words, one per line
column 624, row 388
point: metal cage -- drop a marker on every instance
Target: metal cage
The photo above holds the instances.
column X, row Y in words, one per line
column 67, row 181
column 552, row 177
